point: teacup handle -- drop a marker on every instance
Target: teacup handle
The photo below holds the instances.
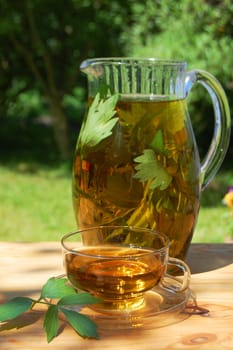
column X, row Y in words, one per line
column 169, row 282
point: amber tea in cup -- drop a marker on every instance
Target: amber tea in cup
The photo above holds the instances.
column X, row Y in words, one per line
column 119, row 264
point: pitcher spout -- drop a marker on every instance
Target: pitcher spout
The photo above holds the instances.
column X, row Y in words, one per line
column 91, row 68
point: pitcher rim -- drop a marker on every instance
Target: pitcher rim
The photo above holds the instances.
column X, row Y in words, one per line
column 131, row 60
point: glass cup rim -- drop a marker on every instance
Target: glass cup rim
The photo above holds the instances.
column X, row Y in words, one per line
column 131, row 228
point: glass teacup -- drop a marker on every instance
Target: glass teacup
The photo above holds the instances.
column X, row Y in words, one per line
column 119, row 264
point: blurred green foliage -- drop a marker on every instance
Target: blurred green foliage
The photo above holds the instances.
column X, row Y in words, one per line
column 42, row 45
column 44, row 42
column 199, row 32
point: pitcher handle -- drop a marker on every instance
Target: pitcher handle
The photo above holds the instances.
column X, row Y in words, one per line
column 221, row 135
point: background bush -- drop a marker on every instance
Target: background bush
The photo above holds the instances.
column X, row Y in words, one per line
column 44, row 41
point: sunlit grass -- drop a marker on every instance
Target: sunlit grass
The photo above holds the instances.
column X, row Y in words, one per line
column 215, row 225
column 36, row 205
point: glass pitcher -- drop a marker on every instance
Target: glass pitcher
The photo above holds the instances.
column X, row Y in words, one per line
column 136, row 161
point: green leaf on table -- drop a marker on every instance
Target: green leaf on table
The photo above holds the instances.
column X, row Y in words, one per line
column 51, row 322
column 99, row 122
column 14, row 308
column 83, row 325
column 149, row 168
column 83, row 298
column 56, row 288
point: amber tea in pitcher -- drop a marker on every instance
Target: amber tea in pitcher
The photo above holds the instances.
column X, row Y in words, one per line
column 136, row 161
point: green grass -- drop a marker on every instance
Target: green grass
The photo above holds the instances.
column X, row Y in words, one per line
column 215, row 225
column 215, row 221
column 36, row 205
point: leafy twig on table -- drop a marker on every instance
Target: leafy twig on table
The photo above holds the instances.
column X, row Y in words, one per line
column 66, row 296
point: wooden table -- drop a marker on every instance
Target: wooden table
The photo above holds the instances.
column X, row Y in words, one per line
column 25, row 267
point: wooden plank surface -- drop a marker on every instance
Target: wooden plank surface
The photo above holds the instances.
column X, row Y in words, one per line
column 25, row 267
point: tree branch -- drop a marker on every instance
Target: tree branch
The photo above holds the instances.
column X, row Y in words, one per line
column 45, row 54
column 26, row 54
